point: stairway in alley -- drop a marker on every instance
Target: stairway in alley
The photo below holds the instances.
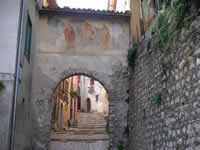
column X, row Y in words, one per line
column 89, row 135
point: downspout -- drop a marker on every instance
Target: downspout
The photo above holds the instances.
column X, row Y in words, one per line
column 15, row 95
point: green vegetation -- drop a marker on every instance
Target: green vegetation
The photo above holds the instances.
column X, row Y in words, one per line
column 158, row 98
column 145, row 114
column 131, row 55
column 160, row 33
column 126, row 131
column 74, row 94
column 69, row 124
column 2, row 86
column 170, row 21
column 120, row 146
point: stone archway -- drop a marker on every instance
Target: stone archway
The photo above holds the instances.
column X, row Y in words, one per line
column 58, row 57
column 42, row 96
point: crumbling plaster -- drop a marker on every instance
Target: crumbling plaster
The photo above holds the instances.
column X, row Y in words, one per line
column 73, row 45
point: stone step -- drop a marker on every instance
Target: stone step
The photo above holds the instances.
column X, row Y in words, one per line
column 89, row 127
column 67, row 138
column 79, row 145
column 91, row 120
column 85, row 132
column 84, row 124
column 93, row 123
column 95, row 118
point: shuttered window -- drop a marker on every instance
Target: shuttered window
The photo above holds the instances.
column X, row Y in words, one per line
column 28, row 38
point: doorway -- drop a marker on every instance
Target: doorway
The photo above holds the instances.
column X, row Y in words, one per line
column 88, row 105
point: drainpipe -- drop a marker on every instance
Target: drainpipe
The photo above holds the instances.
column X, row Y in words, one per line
column 19, row 47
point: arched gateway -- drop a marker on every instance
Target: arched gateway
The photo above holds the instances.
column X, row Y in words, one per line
column 79, row 123
column 80, row 45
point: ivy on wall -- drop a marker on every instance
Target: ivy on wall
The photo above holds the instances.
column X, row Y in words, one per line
column 120, row 146
column 145, row 114
column 170, row 21
column 126, row 131
column 131, row 55
column 74, row 94
column 158, row 98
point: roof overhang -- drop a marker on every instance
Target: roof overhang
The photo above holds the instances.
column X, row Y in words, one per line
column 85, row 13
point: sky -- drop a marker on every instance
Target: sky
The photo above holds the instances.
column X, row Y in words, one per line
column 94, row 4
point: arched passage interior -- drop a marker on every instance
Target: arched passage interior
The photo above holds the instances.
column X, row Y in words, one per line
column 80, row 106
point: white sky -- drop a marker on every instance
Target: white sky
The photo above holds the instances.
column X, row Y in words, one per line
column 94, row 4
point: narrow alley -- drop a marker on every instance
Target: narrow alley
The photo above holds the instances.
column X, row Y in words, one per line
column 100, row 75
column 79, row 116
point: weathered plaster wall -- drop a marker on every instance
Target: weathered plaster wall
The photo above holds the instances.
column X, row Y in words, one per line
column 8, row 47
column 78, row 45
column 176, row 74
column 83, row 37
column 23, row 129
column 9, row 33
column 6, row 96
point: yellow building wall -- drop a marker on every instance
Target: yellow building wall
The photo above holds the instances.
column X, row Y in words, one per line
column 66, row 105
column 143, row 14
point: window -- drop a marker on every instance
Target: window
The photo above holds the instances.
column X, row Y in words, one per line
column 28, row 38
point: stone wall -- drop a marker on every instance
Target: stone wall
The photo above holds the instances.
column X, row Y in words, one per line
column 173, row 122
column 91, row 46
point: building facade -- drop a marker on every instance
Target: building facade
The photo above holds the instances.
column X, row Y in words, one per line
column 17, row 47
column 65, row 104
column 93, row 96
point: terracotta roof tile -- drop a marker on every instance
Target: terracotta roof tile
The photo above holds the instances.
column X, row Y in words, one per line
column 79, row 11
